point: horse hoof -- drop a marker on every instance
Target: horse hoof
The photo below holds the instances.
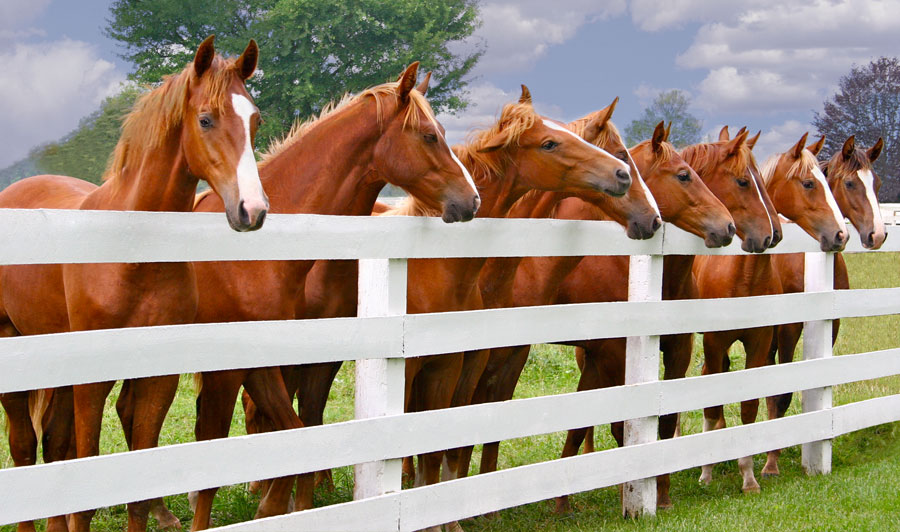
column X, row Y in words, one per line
column 664, row 505
column 562, row 507
column 453, row 527
column 168, row 522
column 492, row 515
column 751, row 489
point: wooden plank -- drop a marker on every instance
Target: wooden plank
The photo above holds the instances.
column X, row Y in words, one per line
column 380, row 381
column 143, row 351
column 645, row 279
column 53, row 236
column 864, row 414
column 56, row 488
column 32, row 362
column 818, row 277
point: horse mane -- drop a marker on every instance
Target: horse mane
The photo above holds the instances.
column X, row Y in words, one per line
column 608, row 133
column 157, row 112
column 668, row 152
column 417, row 102
column 859, row 160
column 703, row 157
column 805, row 163
column 410, row 206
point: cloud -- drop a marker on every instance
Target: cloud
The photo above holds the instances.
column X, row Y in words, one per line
column 654, row 15
column 516, row 34
column 771, row 57
column 487, row 101
column 46, row 88
column 14, row 14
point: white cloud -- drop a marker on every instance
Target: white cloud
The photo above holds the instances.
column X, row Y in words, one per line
column 46, row 88
column 15, row 13
column 770, row 57
column 487, row 101
column 518, row 33
column 654, row 15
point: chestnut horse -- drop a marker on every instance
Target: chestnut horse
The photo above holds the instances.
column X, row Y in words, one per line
column 683, row 199
column 799, row 192
column 855, row 185
column 199, row 124
column 335, row 164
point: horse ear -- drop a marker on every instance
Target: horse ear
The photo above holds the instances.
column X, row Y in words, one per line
column 743, row 128
column 494, row 143
column 204, row 56
column 875, row 150
column 668, row 132
column 751, row 142
column 849, row 146
column 246, row 63
column 797, row 150
column 735, row 144
column 595, row 125
column 526, row 95
column 423, row 86
column 407, row 81
column 723, row 133
column 609, row 110
column 659, row 136
column 816, row 147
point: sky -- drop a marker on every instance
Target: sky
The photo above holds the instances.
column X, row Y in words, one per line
column 766, row 64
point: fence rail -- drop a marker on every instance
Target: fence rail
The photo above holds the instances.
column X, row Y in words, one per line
column 384, row 335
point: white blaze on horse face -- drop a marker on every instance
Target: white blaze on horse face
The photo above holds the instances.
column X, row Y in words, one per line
column 646, row 190
column 558, row 127
column 249, row 186
column 753, row 173
column 829, row 198
column 868, row 181
column 465, row 170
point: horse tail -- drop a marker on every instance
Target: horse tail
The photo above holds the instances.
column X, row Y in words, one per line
column 38, row 403
column 198, row 382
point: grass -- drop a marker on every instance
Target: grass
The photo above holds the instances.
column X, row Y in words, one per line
column 860, row 494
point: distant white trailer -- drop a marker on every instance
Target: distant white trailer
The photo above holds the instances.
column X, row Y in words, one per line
column 891, row 213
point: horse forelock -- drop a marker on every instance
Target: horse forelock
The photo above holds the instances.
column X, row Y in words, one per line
column 806, row 163
column 664, row 156
column 608, row 134
column 706, row 156
column 410, row 206
column 158, row 112
column 859, row 160
column 417, row 103
column 515, row 119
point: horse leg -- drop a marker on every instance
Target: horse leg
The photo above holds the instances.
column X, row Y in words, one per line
column 152, row 397
column 677, row 350
column 715, row 352
column 757, row 344
column 215, row 408
column 267, row 389
column 589, row 380
column 502, row 389
column 474, row 363
column 89, row 400
column 22, row 439
column 313, row 385
column 57, row 439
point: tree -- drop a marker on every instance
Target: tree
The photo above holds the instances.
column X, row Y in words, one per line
column 867, row 104
column 82, row 153
column 312, row 51
column 670, row 106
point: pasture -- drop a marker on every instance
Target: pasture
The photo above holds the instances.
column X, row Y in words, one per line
column 859, row 494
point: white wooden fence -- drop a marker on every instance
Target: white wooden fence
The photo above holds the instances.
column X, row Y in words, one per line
column 384, row 335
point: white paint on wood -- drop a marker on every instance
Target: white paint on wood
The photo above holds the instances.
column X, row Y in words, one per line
column 645, row 277
column 818, row 277
column 380, row 382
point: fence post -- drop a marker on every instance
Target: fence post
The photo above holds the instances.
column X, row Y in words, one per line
column 818, row 277
column 642, row 365
column 380, row 382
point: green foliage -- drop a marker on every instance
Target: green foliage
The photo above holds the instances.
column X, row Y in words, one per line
column 311, row 51
column 867, row 104
column 670, row 106
column 84, row 152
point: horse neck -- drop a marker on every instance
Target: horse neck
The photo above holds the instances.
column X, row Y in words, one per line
column 329, row 170
column 159, row 181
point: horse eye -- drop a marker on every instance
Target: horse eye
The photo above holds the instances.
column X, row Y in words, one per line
column 430, row 138
column 206, row 122
column 850, row 184
column 809, row 185
column 623, row 156
column 743, row 183
column 549, row 145
column 684, row 177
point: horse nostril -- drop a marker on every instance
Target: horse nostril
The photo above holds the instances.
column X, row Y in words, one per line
column 243, row 215
column 731, row 230
column 623, row 176
column 839, row 237
column 767, row 241
column 657, row 223
column 870, row 240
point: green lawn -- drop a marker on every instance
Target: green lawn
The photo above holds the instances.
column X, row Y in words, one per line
column 859, row 495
